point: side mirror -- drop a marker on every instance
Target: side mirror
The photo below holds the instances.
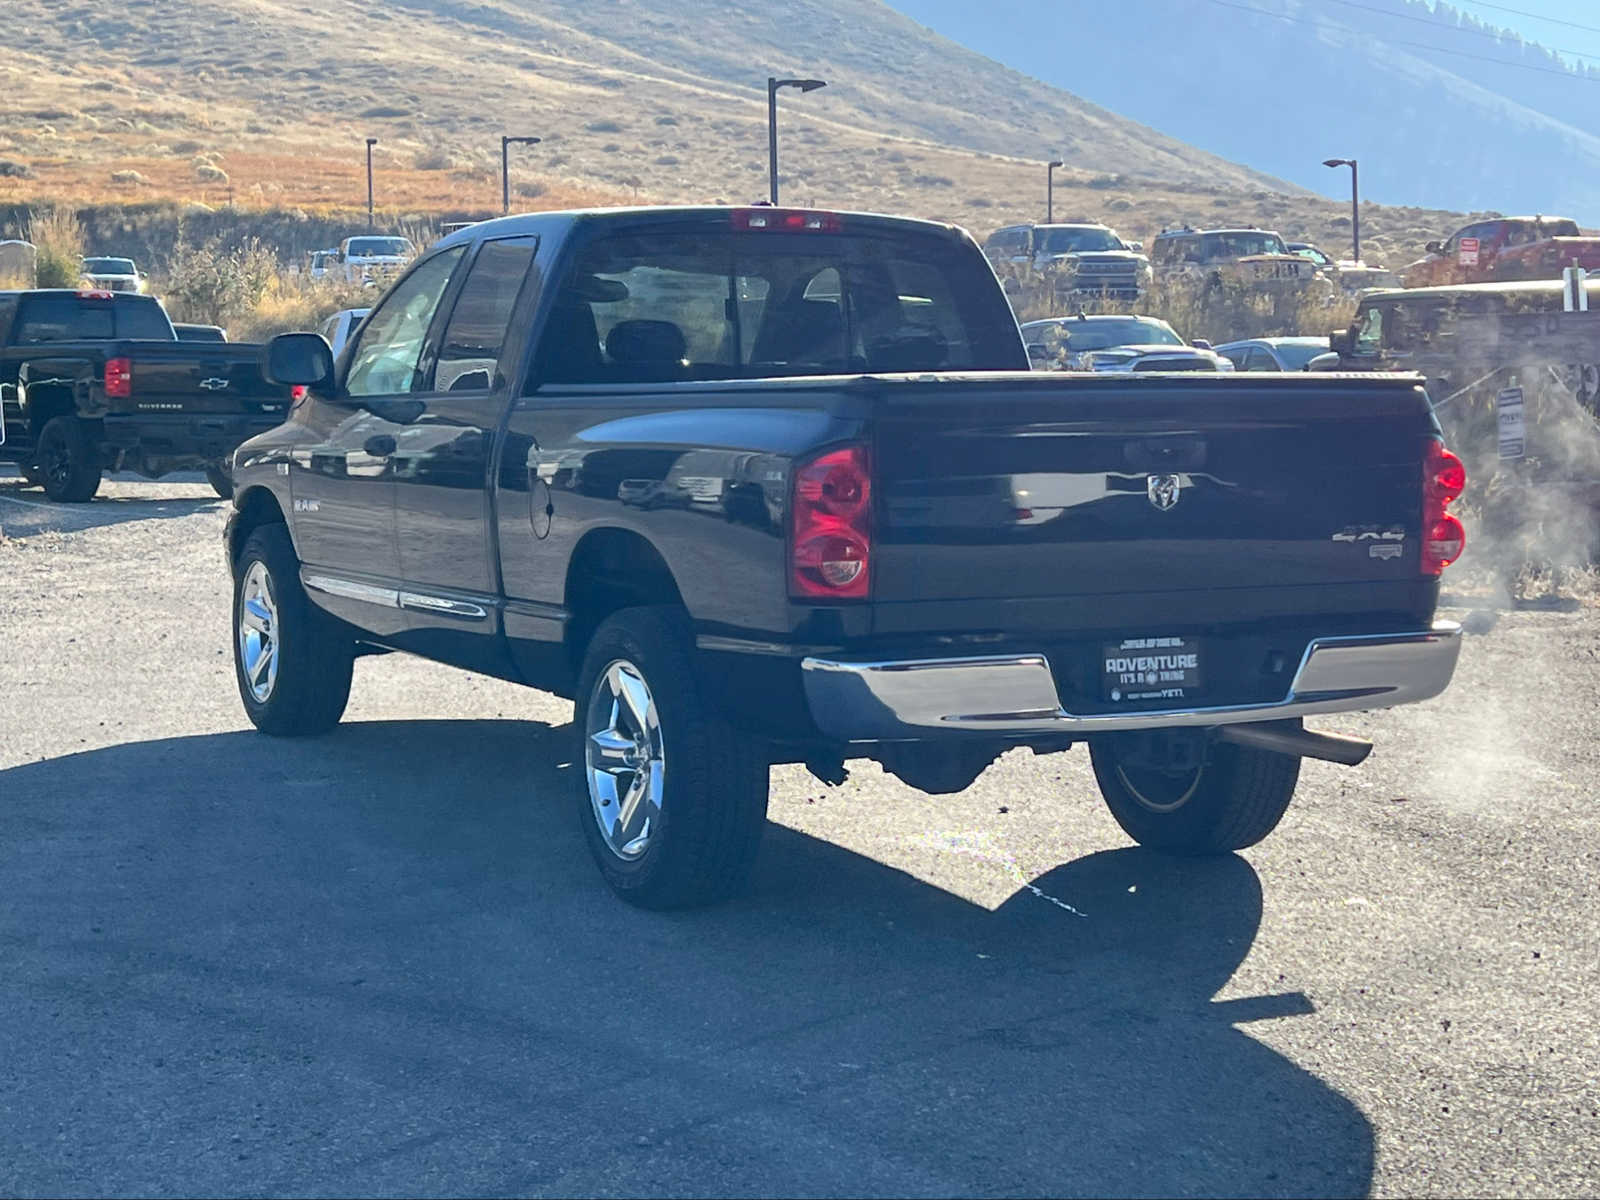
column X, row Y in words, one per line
column 298, row 360
column 1136, row 247
column 1434, row 248
column 1340, row 342
column 1200, row 344
column 1324, row 362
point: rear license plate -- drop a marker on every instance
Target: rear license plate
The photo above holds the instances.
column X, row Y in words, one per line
column 1152, row 668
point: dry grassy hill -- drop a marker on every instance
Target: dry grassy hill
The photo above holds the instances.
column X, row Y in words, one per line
column 264, row 103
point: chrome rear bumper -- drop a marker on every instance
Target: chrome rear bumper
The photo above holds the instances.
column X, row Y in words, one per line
column 1015, row 695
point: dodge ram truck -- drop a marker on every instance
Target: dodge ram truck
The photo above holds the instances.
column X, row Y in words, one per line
column 97, row 381
column 757, row 486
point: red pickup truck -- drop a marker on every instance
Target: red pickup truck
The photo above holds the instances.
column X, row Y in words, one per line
column 1506, row 248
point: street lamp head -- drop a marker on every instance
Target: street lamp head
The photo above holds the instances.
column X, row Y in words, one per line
column 1337, row 162
column 805, row 85
column 372, row 141
column 1056, row 162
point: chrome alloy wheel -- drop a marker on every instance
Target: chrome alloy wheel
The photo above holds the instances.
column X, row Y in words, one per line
column 624, row 760
column 258, row 632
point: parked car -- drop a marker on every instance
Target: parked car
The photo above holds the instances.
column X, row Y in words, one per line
column 97, row 381
column 199, row 333
column 374, row 259
column 19, row 263
column 1075, row 259
column 338, row 328
column 109, row 274
column 783, row 526
column 1258, row 259
column 1275, row 353
column 1114, row 342
column 1505, row 248
column 322, row 263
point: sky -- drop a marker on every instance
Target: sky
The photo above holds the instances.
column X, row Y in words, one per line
column 1546, row 31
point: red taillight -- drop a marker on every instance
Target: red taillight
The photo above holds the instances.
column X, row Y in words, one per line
column 119, row 378
column 95, row 294
column 297, row 392
column 830, row 527
column 1443, row 536
column 789, row 220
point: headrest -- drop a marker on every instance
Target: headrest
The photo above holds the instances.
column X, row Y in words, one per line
column 646, row 342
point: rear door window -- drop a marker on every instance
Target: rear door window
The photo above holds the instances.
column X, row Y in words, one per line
column 666, row 306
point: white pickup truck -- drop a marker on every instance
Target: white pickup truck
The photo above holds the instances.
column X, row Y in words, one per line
column 374, row 258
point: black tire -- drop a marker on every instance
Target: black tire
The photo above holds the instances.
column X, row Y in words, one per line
column 67, row 461
column 219, row 479
column 314, row 652
column 1238, row 798
column 713, row 800
column 32, row 475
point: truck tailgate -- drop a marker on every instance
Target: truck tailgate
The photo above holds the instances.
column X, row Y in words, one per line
column 1097, row 502
column 201, row 379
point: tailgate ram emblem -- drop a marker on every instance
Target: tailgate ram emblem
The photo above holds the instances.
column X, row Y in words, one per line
column 213, row 385
column 1164, row 491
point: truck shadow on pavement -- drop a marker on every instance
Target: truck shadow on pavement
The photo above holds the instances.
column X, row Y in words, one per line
column 29, row 512
column 380, row 962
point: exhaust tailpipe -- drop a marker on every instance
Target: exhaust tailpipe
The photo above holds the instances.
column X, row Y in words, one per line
column 1289, row 738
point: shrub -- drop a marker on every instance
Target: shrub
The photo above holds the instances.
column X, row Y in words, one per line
column 213, row 286
column 210, row 173
column 529, row 189
column 10, row 168
column 129, row 178
column 607, row 126
column 435, row 158
column 58, row 237
column 385, row 111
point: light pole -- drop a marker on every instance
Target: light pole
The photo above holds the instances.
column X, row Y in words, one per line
column 371, row 142
column 1355, row 200
column 773, row 84
column 1050, row 191
column 505, row 168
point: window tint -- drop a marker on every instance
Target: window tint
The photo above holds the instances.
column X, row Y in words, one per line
column 476, row 333
column 65, row 317
column 1259, row 360
column 387, row 355
column 672, row 306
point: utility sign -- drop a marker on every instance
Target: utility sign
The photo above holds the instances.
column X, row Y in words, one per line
column 1513, row 423
column 1469, row 252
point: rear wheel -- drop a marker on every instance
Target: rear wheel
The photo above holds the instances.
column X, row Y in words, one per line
column 67, row 461
column 292, row 660
column 672, row 799
column 1226, row 798
column 219, row 479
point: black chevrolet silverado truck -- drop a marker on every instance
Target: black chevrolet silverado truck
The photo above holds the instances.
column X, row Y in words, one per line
column 96, row 381
column 755, row 486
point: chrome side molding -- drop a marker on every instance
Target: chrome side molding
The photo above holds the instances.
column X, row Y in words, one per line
column 1015, row 695
column 388, row 597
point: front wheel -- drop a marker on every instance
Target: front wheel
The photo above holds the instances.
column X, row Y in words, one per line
column 672, row 798
column 219, row 479
column 67, row 461
column 292, row 660
column 1228, row 798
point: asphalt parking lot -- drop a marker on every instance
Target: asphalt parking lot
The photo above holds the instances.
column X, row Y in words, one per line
column 381, row 962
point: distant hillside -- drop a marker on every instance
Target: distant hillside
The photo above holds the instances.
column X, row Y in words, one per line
column 150, row 108
column 1283, row 88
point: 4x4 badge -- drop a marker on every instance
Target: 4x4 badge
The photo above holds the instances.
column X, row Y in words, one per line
column 1164, row 490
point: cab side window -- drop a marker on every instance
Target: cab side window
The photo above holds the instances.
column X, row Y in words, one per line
column 470, row 350
column 387, row 359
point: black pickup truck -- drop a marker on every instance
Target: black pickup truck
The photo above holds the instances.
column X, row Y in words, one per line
column 95, row 381
column 756, row 486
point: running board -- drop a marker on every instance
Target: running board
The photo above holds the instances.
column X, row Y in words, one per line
column 1303, row 743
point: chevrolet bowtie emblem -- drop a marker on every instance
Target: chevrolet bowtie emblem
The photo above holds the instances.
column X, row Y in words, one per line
column 213, row 385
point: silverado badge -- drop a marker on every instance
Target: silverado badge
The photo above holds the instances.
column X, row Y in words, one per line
column 1164, row 491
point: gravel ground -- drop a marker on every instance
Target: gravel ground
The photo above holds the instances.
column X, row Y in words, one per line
column 380, row 961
